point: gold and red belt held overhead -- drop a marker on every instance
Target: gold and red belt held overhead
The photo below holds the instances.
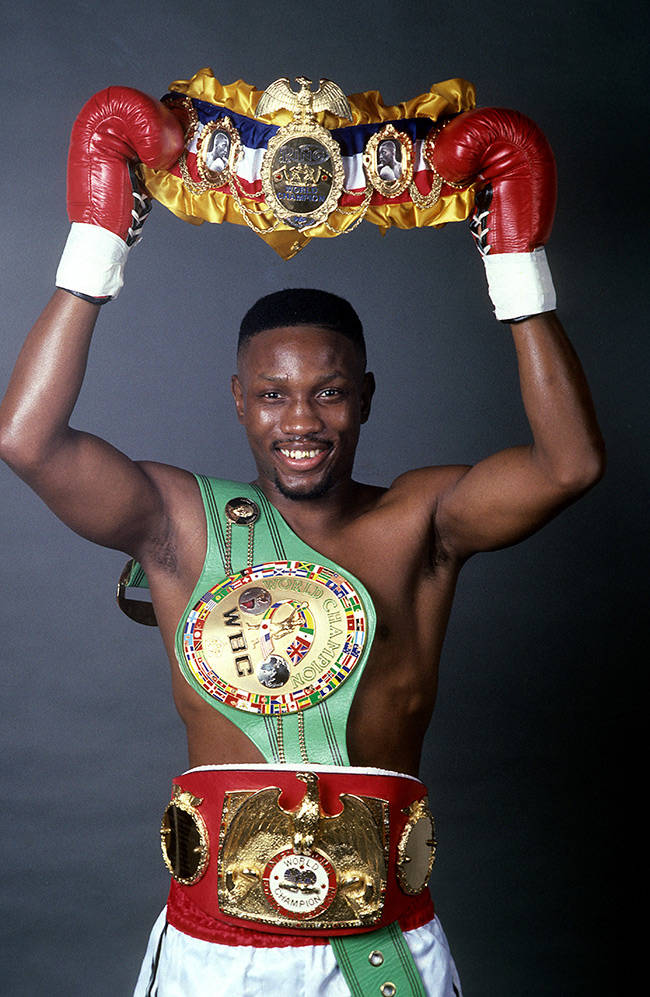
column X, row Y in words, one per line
column 292, row 850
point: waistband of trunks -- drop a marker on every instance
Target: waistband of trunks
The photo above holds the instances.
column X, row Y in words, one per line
column 291, row 855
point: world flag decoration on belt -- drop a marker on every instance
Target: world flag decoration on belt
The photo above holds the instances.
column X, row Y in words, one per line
column 279, row 643
column 298, row 164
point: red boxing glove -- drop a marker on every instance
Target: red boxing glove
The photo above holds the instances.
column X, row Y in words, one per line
column 107, row 202
column 515, row 206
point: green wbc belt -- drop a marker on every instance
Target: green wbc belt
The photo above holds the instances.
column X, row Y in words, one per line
column 275, row 635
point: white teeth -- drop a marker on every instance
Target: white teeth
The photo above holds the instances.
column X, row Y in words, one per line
column 299, row 454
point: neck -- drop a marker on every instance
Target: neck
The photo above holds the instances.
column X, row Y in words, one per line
column 341, row 502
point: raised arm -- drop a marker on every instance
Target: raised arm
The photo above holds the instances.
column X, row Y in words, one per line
column 509, row 495
column 90, row 485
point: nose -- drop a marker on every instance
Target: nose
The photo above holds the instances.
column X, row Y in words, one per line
column 300, row 418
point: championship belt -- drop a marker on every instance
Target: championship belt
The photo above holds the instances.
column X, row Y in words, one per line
column 272, row 630
column 298, row 164
column 319, row 850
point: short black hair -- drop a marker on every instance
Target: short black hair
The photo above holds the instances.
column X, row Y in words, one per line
column 303, row 306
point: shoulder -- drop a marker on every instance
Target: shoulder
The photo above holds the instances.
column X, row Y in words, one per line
column 171, row 482
column 425, row 486
column 180, row 517
column 410, row 506
column 169, row 477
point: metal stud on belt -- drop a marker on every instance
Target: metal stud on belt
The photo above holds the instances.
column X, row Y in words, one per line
column 241, row 511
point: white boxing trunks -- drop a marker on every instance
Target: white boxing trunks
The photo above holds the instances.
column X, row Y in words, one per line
column 178, row 965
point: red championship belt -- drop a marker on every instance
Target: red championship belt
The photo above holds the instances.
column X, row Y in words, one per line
column 307, row 852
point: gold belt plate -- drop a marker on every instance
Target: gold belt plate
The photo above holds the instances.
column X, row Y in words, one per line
column 302, row 174
column 275, row 638
column 302, row 170
column 301, row 868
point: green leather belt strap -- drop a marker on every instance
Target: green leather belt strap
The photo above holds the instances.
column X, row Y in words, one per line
column 319, row 735
column 279, row 739
column 378, row 963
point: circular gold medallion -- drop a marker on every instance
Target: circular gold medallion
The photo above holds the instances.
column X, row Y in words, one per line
column 184, row 838
column 242, row 511
column 275, row 638
column 416, row 850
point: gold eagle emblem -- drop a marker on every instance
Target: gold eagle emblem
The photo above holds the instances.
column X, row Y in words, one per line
column 257, row 830
column 304, row 103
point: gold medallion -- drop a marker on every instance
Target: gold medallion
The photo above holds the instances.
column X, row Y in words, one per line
column 275, row 638
column 388, row 161
column 301, row 867
column 217, row 145
column 218, row 150
column 416, row 850
column 242, row 511
column 184, row 838
column 302, row 170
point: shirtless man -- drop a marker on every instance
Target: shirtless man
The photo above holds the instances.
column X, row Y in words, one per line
column 302, row 393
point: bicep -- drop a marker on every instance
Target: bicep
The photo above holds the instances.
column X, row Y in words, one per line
column 498, row 502
column 97, row 491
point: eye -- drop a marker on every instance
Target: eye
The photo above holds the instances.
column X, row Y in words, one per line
column 331, row 393
column 271, row 396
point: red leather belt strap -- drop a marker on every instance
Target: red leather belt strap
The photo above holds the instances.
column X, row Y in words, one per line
column 204, row 909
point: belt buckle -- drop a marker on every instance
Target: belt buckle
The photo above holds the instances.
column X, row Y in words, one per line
column 303, row 868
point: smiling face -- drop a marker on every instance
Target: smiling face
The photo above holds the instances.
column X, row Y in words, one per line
column 302, row 395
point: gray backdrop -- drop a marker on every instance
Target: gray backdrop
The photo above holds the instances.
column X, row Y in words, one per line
column 522, row 758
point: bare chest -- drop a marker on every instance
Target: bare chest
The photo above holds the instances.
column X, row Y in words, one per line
column 410, row 586
column 411, row 599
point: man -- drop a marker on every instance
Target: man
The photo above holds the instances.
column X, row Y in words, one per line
column 388, row 166
column 303, row 615
column 216, row 157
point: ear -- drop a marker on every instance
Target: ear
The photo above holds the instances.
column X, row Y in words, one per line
column 367, row 391
column 238, row 395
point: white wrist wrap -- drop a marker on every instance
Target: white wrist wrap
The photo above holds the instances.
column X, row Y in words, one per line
column 92, row 262
column 520, row 284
